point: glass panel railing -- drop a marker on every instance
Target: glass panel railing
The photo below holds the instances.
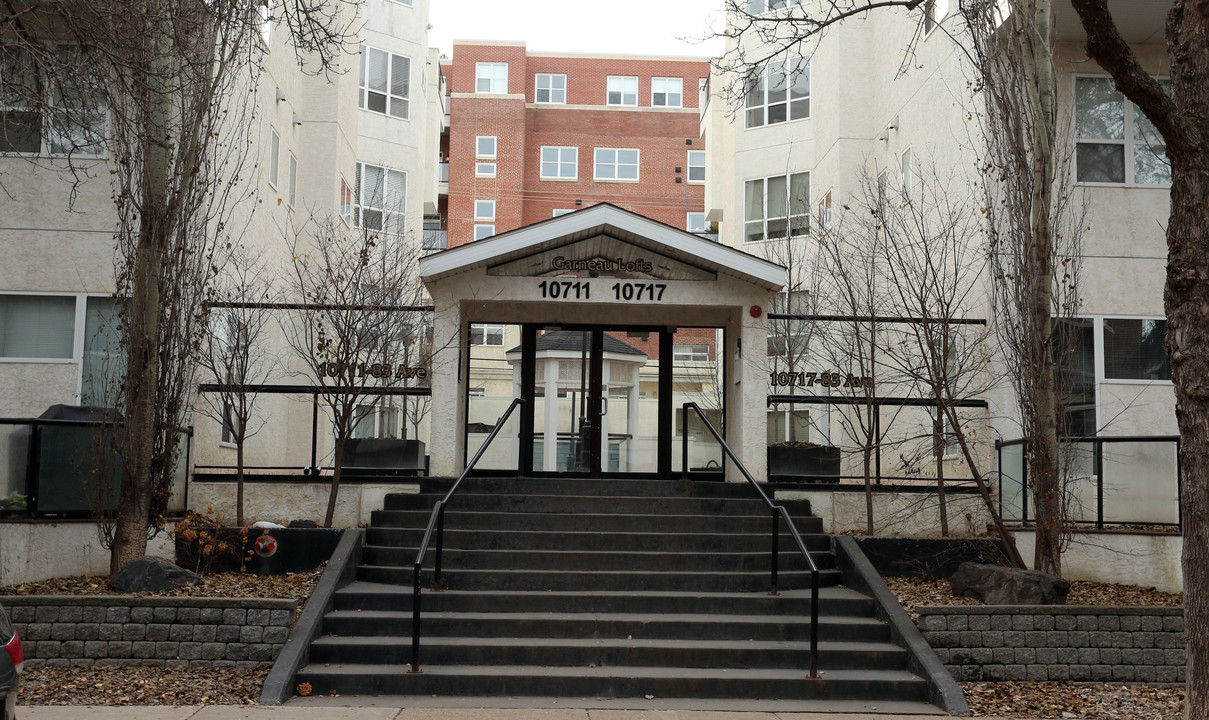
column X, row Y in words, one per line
column 1140, row 483
column 1011, row 482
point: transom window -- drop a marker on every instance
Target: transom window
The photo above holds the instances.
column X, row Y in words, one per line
column 381, row 199
column 779, row 92
column 550, row 88
column 696, row 166
column 622, row 90
column 560, row 163
column 484, row 169
column 1115, row 142
column 690, row 353
column 776, row 207
column 667, row 92
column 385, row 82
column 491, row 78
column 616, row 164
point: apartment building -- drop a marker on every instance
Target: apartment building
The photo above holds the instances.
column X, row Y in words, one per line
column 533, row 135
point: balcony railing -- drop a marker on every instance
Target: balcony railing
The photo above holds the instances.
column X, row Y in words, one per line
column 443, row 172
column 436, row 239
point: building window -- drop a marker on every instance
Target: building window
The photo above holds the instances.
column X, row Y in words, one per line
column 484, row 146
column 1115, row 142
column 104, row 362
column 274, row 158
column 292, row 190
column 667, row 92
column 1133, row 349
column 695, row 222
column 824, row 218
column 491, row 78
column 484, row 169
column 76, row 121
column 266, row 22
column 381, row 199
column 487, row 335
column 403, row 2
column 484, row 210
column 758, row 7
column 346, row 202
column 779, row 92
column 946, row 439
column 616, row 164
column 622, row 90
column 37, row 326
column 482, row 232
column 560, row 163
column 559, row 212
column 385, row 82
column 696, row 166
column 550, row 88
column 776, row 207
column 690, row 353
column 934, row 12
column 904, row 163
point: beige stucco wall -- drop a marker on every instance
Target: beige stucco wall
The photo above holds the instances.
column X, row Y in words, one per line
column 35, row 550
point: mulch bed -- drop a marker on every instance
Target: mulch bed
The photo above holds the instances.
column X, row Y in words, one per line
column 914, row 591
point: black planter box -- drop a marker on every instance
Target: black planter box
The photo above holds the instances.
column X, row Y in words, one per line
column 807, row 463
column 298, row 550
column 929, row 558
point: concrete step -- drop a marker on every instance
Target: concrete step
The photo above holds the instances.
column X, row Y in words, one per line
column 361, row 595
column 586, row 486
column 599, row 561
column 348, row 623
column 760, row 522
column 609, row 652
column 684, row 581
column 488, row 539
column 658, row 682
column 593, row 504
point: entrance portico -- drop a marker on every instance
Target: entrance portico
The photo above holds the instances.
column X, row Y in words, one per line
column 596, row 302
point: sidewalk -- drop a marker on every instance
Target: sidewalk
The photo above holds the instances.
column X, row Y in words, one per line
column 227, row 712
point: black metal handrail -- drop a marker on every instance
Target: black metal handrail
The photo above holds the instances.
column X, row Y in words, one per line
column 437, row 521
column 779, row 513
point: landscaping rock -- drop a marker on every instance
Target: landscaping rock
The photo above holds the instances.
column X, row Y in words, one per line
column 997, row 585
column 150, row 574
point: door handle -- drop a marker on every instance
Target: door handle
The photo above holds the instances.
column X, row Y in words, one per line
column 604, row 406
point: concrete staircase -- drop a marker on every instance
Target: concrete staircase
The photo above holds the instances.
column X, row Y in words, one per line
column 622, row 589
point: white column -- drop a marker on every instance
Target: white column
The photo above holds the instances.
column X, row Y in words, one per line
column 445, row 438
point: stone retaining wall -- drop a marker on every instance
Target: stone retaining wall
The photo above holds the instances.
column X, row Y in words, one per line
column 1097, row 644
column 123, row 630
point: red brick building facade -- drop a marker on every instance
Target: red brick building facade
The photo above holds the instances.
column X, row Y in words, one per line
column 531, row 134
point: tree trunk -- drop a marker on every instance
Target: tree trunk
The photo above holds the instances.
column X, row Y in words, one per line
column 134, row 506
column 938, row 453
column 867, row 460
column 338, row 461
column 239, row 476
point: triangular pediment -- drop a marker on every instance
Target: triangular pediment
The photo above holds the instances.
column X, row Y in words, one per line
column 607, row 240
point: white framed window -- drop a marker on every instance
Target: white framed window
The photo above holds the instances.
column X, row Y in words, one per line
column 559, row 163
column 487, row 334
column 622, row 90
column 883, row 189
column 694, row 222
column 824, row 216
column 559, row 212
column 490, row 77
column 385, row 82
column 906, row 174
column 484, row 210
column 944, row 437
column 76, row 117
column 484, row 169
column 346, row 201
column 778, row 92
column 696, row 166
column 667, row 92
column 550, row 88
column 274, row 157
column 776, row 207
column 759, row 7
column 1115, row 143
column 616, row 164
column 484, row 146
column 381, row 199
column 266, row 22
column 690, row 353
column 37, row 327
column 292, row 181
column 481, row 232
column 934, row 12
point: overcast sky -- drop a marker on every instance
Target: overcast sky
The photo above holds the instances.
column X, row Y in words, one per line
column 627, row 27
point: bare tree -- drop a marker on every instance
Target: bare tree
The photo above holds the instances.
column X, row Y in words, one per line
column 1179, row 116
column 360, row 288
column 164, row 87
column 235, row 354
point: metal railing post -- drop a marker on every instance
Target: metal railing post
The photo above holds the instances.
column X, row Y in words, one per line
column 684, row 443
column 436, row 571
column 417, row 572
column 1099, row 470
column 776, row 528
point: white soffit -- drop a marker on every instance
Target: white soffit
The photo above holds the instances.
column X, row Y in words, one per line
column 604, row 219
